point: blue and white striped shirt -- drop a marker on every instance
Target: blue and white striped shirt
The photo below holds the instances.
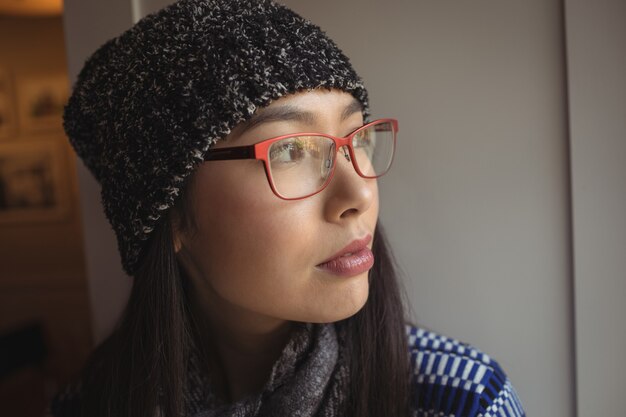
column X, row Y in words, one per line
column 453, row 379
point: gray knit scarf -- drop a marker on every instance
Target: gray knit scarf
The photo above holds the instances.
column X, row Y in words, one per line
column 310, row 378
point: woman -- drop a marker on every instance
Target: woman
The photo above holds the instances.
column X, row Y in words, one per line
column 238, row 168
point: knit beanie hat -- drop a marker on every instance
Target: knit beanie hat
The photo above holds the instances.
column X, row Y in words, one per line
column 148, row 103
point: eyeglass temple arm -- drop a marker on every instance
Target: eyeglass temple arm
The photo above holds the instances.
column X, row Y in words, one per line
column 235, row 152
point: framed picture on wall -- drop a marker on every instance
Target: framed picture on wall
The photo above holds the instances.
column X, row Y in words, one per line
column 41, row 99
column 8, row 123
column 33, row 183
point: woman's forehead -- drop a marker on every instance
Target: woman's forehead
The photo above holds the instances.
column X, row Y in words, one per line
column 311, row 96
column 305, row 107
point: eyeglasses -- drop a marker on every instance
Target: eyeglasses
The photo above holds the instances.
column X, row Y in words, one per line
column 300, row 165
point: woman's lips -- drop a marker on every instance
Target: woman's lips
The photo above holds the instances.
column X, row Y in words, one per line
column 353, row 259
column 349, row 265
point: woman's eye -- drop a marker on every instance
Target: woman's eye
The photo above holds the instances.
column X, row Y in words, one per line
column 291, row 151
column 363, row 139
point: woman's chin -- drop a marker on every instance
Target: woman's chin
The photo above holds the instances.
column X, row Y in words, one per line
column 343, row 308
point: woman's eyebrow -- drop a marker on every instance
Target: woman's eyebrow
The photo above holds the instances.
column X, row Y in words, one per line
column 289, row 112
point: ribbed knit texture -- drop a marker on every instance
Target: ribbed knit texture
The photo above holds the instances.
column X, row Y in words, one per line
column 309, row 379
column 148, row 103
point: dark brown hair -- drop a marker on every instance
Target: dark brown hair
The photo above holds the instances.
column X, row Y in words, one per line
column 148, row 347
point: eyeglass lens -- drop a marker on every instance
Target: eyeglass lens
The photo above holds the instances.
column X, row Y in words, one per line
column 301, row 165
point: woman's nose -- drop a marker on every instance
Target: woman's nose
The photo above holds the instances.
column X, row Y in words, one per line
column 347, row 191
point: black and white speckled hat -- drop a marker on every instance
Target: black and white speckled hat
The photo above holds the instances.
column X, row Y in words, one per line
column 148, row 103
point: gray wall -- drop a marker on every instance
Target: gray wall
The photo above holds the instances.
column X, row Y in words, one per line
column 477, row 206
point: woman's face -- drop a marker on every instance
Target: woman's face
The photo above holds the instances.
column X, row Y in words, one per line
column 254, row 256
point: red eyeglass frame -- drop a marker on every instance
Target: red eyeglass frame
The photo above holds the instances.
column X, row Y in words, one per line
column 260, row 150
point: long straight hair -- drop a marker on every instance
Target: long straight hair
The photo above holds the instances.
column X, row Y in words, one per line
column 140, row 368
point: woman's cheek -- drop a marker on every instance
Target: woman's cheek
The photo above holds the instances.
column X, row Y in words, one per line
column 253, row 253
column 256, row 249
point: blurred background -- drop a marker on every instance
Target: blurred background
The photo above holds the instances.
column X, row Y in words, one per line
column 45, row 319
column 505, row 206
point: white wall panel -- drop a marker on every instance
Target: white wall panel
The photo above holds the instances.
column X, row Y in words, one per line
column 596, row 43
